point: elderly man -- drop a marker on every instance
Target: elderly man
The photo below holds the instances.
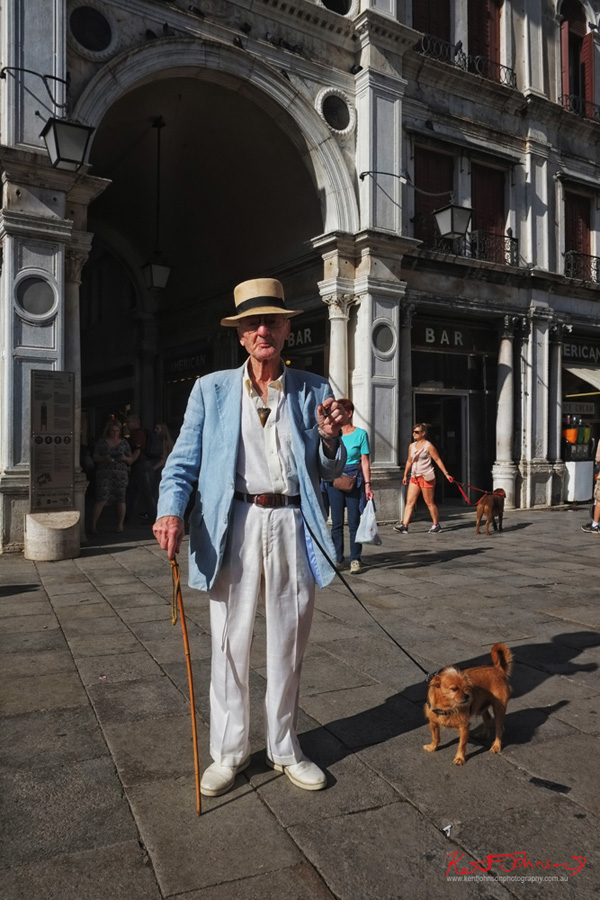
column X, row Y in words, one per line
column 257, row 441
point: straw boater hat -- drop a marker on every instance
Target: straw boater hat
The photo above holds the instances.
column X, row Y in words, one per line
column 259, row 297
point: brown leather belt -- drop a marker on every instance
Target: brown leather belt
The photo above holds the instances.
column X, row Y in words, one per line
column 268, row 500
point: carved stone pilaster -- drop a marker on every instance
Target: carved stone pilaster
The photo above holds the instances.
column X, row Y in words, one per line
column 407, row 311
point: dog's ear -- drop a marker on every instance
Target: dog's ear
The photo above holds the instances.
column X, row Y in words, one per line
column 436, row 681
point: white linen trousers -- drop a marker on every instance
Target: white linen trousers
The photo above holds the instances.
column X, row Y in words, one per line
column 265, row 558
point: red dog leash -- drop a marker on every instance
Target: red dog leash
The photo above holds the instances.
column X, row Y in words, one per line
column 471, row 487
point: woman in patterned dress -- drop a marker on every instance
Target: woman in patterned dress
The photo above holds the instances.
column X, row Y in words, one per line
column 112, row 455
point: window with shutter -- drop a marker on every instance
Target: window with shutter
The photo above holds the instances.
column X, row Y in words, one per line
column 484, row 29
column 577, row 223
column 489, row 216
column 434, row 174
column 432, row 17
column 577, row 60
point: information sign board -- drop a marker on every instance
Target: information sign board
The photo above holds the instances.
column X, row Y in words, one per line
column 52, row 460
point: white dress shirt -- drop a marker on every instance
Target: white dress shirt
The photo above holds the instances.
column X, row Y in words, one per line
column 266, row 463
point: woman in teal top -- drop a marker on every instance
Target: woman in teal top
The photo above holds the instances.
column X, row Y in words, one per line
column 356, row 442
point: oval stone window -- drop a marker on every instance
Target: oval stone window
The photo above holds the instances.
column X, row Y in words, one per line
column 383, row 338
column 336, row 112
column 35, row 296
column 90, row 28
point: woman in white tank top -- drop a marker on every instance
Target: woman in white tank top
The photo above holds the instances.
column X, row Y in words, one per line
column 419, row 468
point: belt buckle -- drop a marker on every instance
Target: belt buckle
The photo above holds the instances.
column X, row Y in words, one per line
column 261, row 500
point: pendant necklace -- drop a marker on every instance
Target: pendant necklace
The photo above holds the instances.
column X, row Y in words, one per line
column 263, row 414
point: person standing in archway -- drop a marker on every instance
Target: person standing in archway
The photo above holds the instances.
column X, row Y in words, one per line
column 257, row 440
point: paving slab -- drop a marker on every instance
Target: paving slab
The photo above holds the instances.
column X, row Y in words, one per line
column 552, row 832
column 50, row 738
column 59, row 809
column 140, row 699
column 37, row 692
column 212, row 848
column 347, row 852
column 120, row 871
column 299, row 882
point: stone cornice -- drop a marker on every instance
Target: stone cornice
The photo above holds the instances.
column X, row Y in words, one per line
column 374, row 28
column 39, row 227
column 20, row 166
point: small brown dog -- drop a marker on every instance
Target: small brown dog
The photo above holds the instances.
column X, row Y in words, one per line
column 455, row 696
column 491, row 506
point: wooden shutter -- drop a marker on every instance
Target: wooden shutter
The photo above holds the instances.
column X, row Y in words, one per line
column 564, row 61
column 587, row 65
column 432, row 17
column 484, row 29
column 434, row 173
column 577, row 223
column 487, row 191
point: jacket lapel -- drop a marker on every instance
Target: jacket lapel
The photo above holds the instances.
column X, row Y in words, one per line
column 228, row 398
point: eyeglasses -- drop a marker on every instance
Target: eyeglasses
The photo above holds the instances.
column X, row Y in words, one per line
column 416, row 431
column 253, row 323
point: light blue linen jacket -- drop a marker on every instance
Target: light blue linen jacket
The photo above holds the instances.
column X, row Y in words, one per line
column 205, row 459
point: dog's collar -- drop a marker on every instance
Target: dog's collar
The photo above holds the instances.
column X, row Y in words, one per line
column 440, row 712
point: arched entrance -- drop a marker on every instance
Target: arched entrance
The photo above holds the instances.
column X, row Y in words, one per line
column 244, row 190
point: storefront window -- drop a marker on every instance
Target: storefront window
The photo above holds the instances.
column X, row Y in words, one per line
column 448, row 371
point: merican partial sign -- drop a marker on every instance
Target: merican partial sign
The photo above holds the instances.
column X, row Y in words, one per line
column 586, row 353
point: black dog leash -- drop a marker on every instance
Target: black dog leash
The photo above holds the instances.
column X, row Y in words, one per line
column 359, row 601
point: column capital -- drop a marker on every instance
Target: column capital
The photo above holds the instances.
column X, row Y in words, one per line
column 76, row 255
column 507, row 327
column 558, row 331
column 339, row 304
column 407, row 311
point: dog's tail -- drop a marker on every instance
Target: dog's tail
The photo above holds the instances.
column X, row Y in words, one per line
column 502, row 657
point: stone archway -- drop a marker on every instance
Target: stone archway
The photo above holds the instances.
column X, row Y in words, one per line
column 297, row 150
column 212, row 61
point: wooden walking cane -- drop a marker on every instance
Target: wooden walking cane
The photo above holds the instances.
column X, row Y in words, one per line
column 177, row 600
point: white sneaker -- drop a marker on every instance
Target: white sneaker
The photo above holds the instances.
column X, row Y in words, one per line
column 219, row 779
column 304, row 774
column 355, row 567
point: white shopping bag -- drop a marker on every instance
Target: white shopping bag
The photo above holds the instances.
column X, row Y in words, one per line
column 366, row 532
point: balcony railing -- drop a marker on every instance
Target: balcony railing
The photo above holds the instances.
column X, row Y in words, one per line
column 580, row 106
column 582, row 267
column 502, row 249
column 491, row 70
column 436, row 48
column 497, row 248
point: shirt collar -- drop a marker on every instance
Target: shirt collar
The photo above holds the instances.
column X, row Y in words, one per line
column 278, row 384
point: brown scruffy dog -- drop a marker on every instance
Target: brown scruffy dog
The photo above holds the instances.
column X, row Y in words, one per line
column 491, row 506
column 455, row 696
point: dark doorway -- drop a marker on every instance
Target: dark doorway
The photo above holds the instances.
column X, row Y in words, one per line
column 446, row 416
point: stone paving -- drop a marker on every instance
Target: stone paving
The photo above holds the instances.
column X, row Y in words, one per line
column 98, row 797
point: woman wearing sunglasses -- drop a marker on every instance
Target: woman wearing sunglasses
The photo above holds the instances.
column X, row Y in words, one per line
column 419, row 469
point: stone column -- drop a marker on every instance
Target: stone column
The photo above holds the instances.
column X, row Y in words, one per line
column 405, row 413
column 555, row 412
column 338, row 303
column 504, row 470
column 536, row 471
column 76, row 255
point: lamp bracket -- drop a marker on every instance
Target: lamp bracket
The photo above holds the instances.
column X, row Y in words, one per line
column 405, row 179
column 45, row 78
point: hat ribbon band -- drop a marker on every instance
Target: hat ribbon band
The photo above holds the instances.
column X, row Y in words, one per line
column 257, row 302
